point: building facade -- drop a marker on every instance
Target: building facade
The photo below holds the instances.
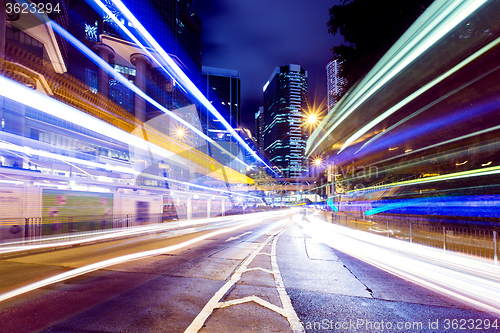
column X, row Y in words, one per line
column 259, row 128
column 174, row 27
column 71, row 92
column 335, row 83
column 285, row 97
column 222, row 88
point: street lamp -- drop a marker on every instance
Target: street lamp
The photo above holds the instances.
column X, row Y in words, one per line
column 180, row 133
column 317, row 162
column 312, row 119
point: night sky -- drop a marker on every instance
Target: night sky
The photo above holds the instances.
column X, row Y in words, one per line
column 256, row 36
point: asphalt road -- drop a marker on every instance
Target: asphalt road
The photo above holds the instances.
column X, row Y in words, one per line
column 333, row 292
column 262, row 277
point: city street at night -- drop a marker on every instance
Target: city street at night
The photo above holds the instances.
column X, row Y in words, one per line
column 249, row 166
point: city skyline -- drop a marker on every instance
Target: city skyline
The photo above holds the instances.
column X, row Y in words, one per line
column 255, row 37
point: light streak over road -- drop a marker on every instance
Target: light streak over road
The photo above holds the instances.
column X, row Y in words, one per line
column 470, row 280
column 439, row 19
column 172, row 70
column 456, row 175
column 126, row 258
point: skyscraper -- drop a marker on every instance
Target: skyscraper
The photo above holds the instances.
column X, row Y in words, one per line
column 259, row 128
column 335, row 83
column 284, row 105
column 222, row 88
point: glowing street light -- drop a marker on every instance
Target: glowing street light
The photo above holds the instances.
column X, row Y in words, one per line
column 180, row 133
column 318, row 162
column 312, row 119
column 316, row 166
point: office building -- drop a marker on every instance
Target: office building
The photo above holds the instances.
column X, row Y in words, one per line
column 335, row 83
column 171, row 23
column 259, row 128
column 284, row 105
column 222, row 88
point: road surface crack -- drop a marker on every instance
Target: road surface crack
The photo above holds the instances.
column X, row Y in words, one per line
column 366, row 287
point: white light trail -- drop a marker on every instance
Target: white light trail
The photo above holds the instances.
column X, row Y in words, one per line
column 471, row 280
column 30, row 151
column 120, row 78
column 68, row 240
column 417, row 93
column 430, row 27
column 119, row 260
column 428, row 106
column 445, row 142
column 174, row 70
column 23, row 95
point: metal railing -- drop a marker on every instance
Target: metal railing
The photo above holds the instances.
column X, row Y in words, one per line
column 35, row 230
column 60, row 228
column 473, row 241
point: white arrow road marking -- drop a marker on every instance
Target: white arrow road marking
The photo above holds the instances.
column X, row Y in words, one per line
column 255, row 299
column 233, row 238
column 287, row 311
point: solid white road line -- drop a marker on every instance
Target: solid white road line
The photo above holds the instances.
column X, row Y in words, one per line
column 290, row 313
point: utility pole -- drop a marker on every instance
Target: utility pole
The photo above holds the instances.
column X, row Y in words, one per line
column 331, row 180
column 281, row 196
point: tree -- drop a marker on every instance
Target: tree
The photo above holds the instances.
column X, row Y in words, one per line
column 369, row 29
